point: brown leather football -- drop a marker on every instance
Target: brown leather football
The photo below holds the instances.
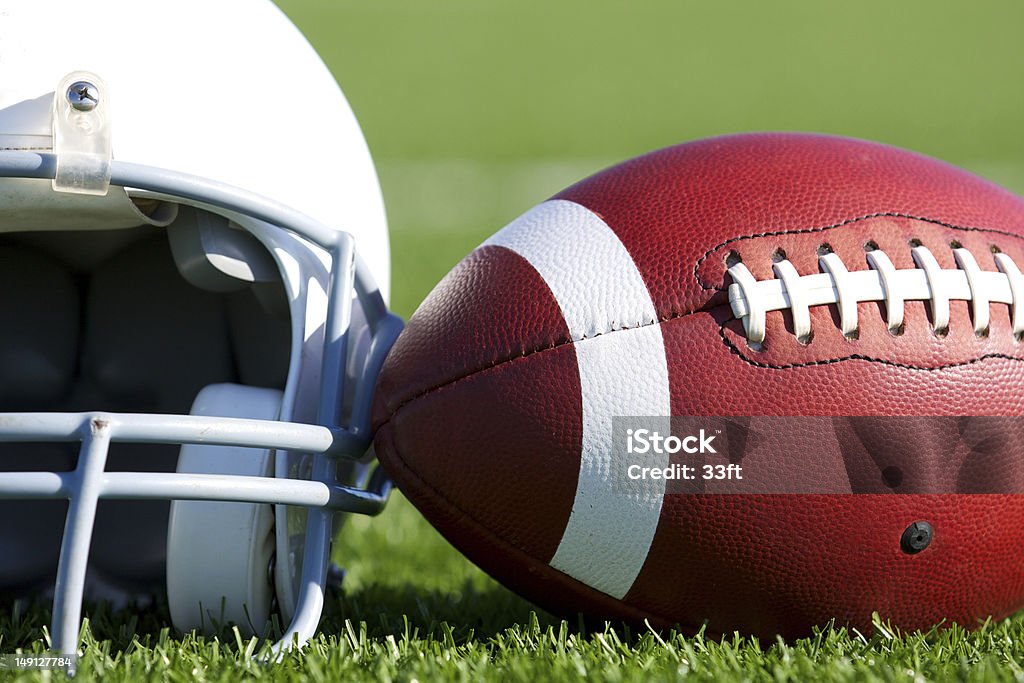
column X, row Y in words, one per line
column 871, row 292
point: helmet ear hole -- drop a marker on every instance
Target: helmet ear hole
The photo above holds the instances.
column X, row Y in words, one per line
column 220, row 554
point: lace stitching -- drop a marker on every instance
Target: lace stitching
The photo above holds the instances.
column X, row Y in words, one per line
column 751, row 300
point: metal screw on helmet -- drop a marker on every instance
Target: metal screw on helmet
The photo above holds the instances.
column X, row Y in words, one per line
column 917, row 537
column 83, row 96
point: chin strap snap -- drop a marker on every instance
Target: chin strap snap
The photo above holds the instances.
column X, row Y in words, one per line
column 82, row 134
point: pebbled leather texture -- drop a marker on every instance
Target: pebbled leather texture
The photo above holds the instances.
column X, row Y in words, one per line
column 478, row 408
column 492, row 308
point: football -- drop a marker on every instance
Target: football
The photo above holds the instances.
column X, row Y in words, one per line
column 856, row 309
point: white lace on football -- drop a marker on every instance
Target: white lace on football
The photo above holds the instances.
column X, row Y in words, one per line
column 752, row 300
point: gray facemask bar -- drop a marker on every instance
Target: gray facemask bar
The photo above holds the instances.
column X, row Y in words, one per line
column 335, row 438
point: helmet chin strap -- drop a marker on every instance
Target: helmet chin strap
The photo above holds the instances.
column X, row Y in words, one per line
column 223, row 575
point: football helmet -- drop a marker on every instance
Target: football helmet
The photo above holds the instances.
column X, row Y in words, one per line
column 193, row 281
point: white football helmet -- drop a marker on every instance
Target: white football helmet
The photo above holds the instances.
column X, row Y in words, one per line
column 193, row 283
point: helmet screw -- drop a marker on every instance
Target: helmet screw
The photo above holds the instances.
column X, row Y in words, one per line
column 83, row 96
column 917, row 537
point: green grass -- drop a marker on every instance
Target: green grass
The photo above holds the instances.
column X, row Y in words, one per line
column 414, row 609
column 475, row 111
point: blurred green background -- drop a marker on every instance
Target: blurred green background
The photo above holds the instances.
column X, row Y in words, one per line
column 475, row 110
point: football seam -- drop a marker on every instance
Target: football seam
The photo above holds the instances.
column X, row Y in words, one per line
column 526, row 353
column 439, row 496
column 848, row 221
